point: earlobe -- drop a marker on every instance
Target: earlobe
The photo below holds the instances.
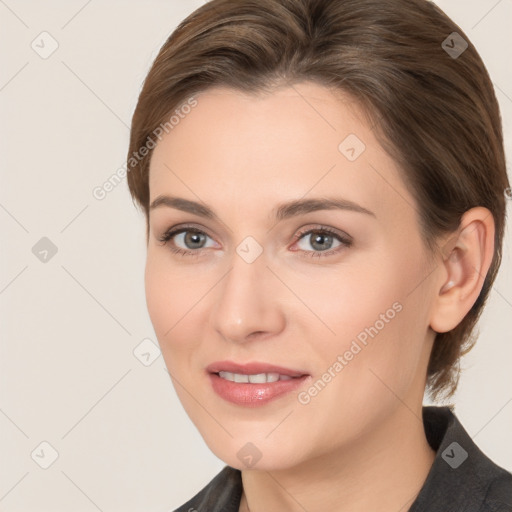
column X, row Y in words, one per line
column 463, row 268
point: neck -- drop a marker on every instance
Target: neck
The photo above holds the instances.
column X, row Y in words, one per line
column 383, row 471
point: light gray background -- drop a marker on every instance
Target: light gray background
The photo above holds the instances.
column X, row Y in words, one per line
column 68, row 374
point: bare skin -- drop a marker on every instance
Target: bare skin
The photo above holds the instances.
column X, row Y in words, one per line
column 359, row 443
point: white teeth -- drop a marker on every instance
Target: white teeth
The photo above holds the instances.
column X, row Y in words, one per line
column 260, row 378
column 227, row 376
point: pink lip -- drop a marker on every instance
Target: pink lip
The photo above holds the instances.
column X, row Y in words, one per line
column 252, row 368
column 251, row 394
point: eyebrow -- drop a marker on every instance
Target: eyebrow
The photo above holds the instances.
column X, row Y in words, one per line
column 281, row 212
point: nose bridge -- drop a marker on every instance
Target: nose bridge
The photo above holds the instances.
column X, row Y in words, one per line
column 247, row 299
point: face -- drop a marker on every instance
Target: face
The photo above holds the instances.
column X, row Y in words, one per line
column 337, row 292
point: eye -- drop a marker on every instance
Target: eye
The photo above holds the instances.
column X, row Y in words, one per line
column 191, row 238
column 189, row 241
column 322, row 239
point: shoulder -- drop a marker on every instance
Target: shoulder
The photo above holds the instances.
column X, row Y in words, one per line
column 498, row 497
column 462, row 477
column 222, row 493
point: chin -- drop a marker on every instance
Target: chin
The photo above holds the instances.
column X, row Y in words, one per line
column 254, row 452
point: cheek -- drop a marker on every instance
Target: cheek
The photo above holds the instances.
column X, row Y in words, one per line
column 170, row 297
column 371, row 365
column 376, row 312
column 159, row 296
column 347, row 299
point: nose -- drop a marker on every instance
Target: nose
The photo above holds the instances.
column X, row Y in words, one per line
column 247, row 305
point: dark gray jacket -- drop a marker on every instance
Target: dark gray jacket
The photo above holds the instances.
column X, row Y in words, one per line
column 461, row 479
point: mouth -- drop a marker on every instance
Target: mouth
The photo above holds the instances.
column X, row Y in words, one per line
column 257, row 378
column 253, row 384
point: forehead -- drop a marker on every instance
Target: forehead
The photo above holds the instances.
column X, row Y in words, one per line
column 255, row 149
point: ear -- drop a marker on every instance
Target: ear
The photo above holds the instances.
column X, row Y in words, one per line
column 466, row 259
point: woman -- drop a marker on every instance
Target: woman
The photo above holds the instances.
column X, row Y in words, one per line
column 324, row 186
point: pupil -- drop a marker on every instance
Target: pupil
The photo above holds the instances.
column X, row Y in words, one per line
column 319, row 238
column 193, row 238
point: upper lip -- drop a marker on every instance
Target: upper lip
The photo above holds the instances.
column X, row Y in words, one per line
column 252, row 368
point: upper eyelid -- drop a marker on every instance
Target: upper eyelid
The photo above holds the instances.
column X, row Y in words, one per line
column 180, row 229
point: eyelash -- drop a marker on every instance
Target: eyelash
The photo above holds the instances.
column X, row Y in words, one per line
column 345, row 241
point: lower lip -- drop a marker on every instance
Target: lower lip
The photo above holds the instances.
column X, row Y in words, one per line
column 252, row 394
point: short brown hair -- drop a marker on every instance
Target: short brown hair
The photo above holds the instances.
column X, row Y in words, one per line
column 435, row 113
